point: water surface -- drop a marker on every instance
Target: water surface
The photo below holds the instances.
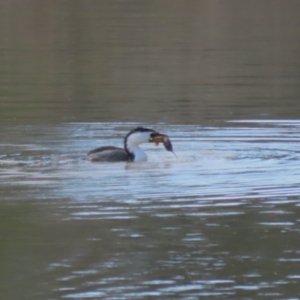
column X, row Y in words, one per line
column 219, row 221
column 221, row 78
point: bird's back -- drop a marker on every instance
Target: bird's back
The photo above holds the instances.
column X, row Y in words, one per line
column 108, row 154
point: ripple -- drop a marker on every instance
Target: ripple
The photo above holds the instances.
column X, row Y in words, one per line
column 84, row 295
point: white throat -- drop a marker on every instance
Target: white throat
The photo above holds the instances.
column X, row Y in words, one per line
column 133, row 142
column 139, row 154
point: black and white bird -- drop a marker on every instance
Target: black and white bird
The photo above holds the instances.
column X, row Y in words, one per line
column 131, row 151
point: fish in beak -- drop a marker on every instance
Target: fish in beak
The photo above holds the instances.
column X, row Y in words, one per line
column 161, row 138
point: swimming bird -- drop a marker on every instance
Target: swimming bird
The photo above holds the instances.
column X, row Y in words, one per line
column 131, row 151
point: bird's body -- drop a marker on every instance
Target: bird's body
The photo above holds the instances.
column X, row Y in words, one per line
column 131, row 150
column 108, row 153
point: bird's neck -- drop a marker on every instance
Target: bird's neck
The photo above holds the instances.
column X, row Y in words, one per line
column 136, row 153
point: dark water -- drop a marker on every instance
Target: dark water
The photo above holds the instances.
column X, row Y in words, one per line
column 221, row 221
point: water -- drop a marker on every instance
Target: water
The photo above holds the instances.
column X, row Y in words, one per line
column 220, row 221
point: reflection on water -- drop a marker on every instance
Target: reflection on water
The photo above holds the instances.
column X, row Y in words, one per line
column 108, row 61
column 219, row 221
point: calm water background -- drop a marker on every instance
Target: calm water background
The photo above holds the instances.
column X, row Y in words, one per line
column 221, row 78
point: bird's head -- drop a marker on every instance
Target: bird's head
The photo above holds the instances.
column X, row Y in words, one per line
column 143, row 135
